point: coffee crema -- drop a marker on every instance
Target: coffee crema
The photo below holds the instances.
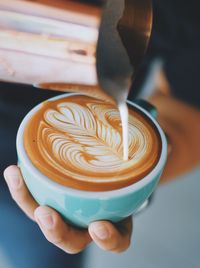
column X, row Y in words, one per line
column 76, row 141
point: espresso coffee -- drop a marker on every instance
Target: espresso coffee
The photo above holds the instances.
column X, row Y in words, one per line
column 76, row 141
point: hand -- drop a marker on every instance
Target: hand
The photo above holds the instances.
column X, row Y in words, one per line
column 114, row 238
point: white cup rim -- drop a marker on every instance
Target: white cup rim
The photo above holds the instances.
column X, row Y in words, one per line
column 89, row 194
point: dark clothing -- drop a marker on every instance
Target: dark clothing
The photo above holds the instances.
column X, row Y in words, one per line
column 15, row 102
column 176, row 40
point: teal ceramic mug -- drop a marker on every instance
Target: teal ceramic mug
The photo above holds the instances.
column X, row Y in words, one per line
column 80, row 207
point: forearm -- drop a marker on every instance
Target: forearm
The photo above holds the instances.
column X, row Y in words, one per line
column 181, row 123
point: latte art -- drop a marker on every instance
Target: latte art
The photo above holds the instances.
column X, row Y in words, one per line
column 77, row 141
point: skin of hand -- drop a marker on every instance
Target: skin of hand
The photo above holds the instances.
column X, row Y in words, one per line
column 109, row 237
column 181, row 123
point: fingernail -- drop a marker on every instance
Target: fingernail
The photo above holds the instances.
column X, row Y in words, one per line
column 45, row 218
column 100, row 231
column 13, row 181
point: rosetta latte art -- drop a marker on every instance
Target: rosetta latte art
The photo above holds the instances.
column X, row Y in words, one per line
column 78, row 143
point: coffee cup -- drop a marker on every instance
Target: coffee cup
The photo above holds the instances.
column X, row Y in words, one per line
column 80, row 207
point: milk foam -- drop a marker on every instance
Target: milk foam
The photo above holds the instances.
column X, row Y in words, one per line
column 84, row 139
column 123, row 110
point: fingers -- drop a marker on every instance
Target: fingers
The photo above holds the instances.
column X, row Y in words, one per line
column 60, row 234
column 114, row 238
column 19, row 191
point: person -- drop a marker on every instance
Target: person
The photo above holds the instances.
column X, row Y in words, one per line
column 175, row 40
